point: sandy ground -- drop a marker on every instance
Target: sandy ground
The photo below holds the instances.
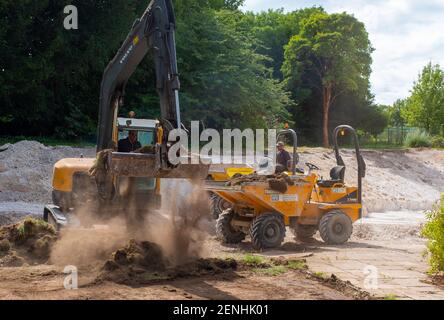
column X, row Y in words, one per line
column 46, row 282
column 398, row 186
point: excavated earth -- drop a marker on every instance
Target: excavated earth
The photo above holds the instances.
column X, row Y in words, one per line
column 398, row 187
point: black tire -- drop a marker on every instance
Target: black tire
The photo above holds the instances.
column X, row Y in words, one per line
column 50, row 220
column 335, row 227
column 304, row 232
column 224, row 231
column 218, row 205
column 62, row 199
column 267, row 231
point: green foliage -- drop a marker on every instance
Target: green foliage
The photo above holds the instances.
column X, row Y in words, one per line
column 225, row 82
column 233, row 67
column 425, row 107
column 373, row 119
column 438, row 142
column 434, row 231
column 417, row 139
column 50, row 77
column 395, row 113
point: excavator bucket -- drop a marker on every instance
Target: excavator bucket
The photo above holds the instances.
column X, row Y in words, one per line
column 149, row 165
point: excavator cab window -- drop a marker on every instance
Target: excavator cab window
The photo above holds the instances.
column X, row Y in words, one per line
column 146, row 138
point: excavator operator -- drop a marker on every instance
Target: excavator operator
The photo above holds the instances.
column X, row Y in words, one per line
column 129, row 144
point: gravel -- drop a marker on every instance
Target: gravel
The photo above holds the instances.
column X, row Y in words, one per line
column 26, row 170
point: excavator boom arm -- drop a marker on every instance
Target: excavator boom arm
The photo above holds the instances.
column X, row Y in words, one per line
column 153, row 33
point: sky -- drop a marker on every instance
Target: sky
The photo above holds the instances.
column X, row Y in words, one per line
column 406, row 35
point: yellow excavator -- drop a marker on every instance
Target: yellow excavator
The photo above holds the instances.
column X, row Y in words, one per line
column 128, row 177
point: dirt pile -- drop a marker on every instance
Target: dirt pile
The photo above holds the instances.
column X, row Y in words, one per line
column 345, row 287
column 278, row 182
column 385, row 232
column 144, row 262
column 395, row 179
column 26, row 169
column 29, row 241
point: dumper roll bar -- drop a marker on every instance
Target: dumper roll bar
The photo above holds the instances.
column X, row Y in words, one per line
column 294, row 137
column 359, row 158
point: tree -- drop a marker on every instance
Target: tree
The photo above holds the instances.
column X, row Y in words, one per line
column 395, row 113
column 332, row 53
column 425, row 107
column 374, row 119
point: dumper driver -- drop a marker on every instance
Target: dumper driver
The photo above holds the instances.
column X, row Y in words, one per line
column 129, row 144
column 282, row 157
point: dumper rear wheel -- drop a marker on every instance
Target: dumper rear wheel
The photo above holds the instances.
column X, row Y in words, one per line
column 267, row 231
column 304, row 232
column 225, row 231
column 335, row 227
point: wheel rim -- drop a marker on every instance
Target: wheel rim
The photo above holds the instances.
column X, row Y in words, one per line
column 338, row 228
column 271, row 232
column 223, row 205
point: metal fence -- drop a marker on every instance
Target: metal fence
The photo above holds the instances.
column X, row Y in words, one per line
column 395, row 135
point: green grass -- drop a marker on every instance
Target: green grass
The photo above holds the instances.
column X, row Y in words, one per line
column 390, row 296
column 321, row 275
column 296, row 265
column 47, row 141
column 31, row 227
column 272, row 271
column 252, row 260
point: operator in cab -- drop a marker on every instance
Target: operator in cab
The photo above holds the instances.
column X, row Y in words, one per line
column 129, row 144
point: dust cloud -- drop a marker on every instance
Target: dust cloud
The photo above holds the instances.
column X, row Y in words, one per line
column 179, row 227
column 183, row 222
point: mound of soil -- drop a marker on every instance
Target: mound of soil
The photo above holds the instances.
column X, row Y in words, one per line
column 29, row 241
column 345, row 287
column 144, row 262
column 278, row 182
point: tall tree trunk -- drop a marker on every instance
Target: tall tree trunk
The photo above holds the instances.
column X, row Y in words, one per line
column 327, row 92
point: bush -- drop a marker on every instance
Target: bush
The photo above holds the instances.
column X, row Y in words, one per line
column 417, row 139
column 434, row 232
column 438, row 142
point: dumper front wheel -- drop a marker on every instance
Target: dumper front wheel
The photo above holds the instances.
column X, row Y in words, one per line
column 218, row 205
column 225, row 231
column 335, row 227
column 267, row 231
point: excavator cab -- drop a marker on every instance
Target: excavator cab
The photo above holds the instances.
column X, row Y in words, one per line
column 145, row 131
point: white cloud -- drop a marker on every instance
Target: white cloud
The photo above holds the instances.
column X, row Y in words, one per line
column 406, row 34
